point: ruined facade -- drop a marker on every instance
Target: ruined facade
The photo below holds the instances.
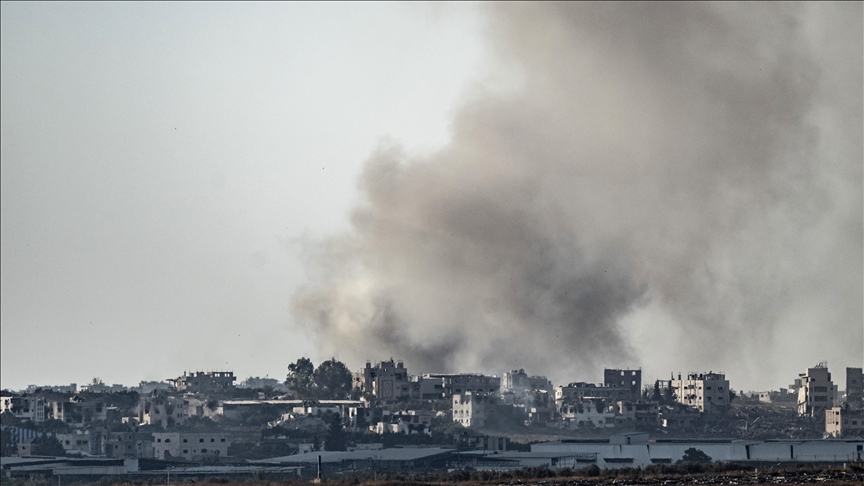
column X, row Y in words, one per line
column 189, row 445
column 631, row 379
column 387, row 380
column 844, row 422
column 706, row 392
column 816, row 393
column 471, row 409
column 205, row 381
column 854, row 382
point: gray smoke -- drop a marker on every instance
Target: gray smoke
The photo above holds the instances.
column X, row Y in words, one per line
column 700, row 159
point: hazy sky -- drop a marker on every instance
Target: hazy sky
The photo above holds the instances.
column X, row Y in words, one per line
column 160, row 162
column 193, row 186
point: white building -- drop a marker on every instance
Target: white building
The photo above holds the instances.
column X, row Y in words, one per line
column 164, row 410
column 387, row 380
column 78, row 411
column 844, row 422
column 706, row 392
column 25, row 408
column 588, row 413
column 471, row 409
column 189, row 445
column 519, row 381
column 816, row 393
column 639, row 452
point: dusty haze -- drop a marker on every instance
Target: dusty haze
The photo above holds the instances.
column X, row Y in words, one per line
column 670, row 184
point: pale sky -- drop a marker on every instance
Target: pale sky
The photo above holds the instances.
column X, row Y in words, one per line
column 171, row 171
column 161, row 160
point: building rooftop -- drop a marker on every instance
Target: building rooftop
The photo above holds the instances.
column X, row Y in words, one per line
column 395, row 454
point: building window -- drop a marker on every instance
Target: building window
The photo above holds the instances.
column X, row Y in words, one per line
column 185, row 451
column 185, row 440
column 212, row 440
column 203, row 450
column 200, row 440
column 221, row 440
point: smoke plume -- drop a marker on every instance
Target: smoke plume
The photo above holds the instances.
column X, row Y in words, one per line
column 698, row 160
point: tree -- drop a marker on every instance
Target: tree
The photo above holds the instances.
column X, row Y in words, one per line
column 8, row 441
column 8, row 419
column 695, row 456
column 657, row 397
column 332, row 380
column 48, row 446
column 670, row 394
column 300, row 380
column 336, row 438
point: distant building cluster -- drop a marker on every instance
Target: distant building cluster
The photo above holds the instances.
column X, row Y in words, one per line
column 163, row 419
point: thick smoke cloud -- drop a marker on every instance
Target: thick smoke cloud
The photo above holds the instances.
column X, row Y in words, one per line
column 702, row 160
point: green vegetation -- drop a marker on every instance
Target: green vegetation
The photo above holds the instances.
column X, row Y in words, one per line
column 330, row 381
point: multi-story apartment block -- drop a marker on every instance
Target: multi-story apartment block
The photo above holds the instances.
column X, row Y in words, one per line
column 80, row 442
column 471, row 409
column 816, row 393
column 844, row 422
column 166, row 411
column 457, row 384
column 854, row 383
column 579, row 391
column 189, row 445
column 24, row 407
column 518, row 380
column 706, row 392
column 589, row 412
column 630, row 379
column 204, row 381
column 387, row 380
column 78, row 411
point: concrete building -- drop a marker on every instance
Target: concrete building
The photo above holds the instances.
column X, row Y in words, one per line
column 204, row 381
column 148, row 387
column 387, row 380
column 630, row 379
column 425, row 388
column 163, row 410
column 579, row 391
column 844, row 422
column 854, row 383
column 706, row 392
column 587, row 414
column 678, row 416
column 103, row 388
column 77, row 442
column 24, row 407
column 189, row 445
column 405, row 422
column 70, row 388
column 618, row 453
column 518, row 380
column 816, row 392
column 78, row 411
column 457, row 384
column 471, row 409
